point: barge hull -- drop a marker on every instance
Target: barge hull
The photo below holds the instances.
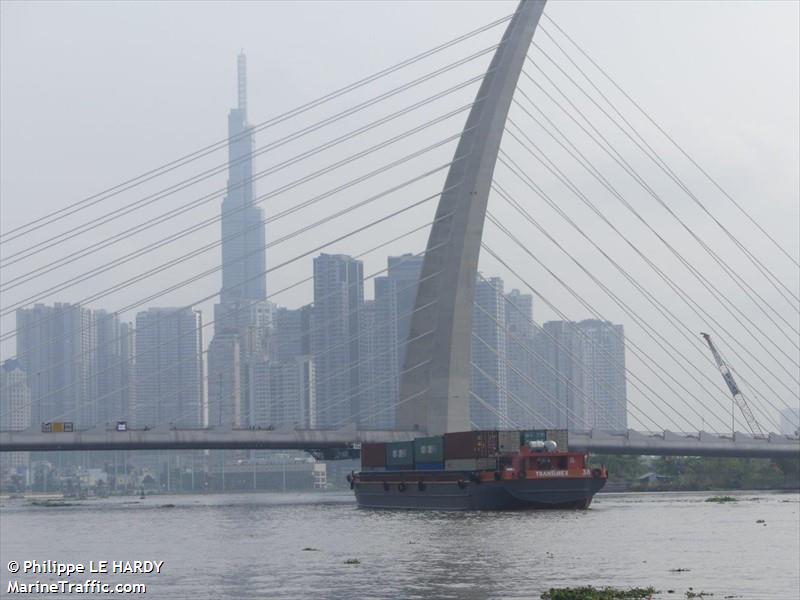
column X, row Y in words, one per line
column 519, row 494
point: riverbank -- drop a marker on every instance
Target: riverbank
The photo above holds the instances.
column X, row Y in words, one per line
column 681, row 473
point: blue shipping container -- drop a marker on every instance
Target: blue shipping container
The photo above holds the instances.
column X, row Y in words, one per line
column 432, row 466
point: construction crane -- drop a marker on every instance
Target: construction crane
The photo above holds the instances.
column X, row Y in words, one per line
column 738, row 398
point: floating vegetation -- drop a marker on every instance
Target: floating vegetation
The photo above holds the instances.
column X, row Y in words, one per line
column 167, row 506
column 761, row 521
column 310, row 549
column 51, row 503
column 352, row 561
column 721, row 499
column 679, row 570
column 592, row 593
column 692, row 594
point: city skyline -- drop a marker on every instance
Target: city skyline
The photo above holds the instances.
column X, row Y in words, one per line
column 301, row 295
column 332, row 362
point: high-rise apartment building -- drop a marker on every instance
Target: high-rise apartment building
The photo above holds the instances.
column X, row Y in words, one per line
column 336, row 340
column 604, row 357
column 489, row 388
column 115, row 388
column 282, row 394
column 562, row 395
column 169, row 368
column 290, row 334
column 15, row 409
column 225, row 398
column 56, row 346
column 582, row 374
column 395, row 295
column 282, row 390
column 520, row 361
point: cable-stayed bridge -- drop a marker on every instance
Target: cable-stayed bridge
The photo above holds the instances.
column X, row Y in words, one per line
column 546, row 131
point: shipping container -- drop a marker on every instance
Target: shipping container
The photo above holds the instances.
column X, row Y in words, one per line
column 508, row 441
column 534, row 435
column 470, row 444
column 430, row 466
column 429, row 449
column 372, row 469
column 560, row 437
column 400, row 454
column 373, row 455
column 471, row 464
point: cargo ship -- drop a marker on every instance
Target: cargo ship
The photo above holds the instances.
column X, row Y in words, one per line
column 477, row 470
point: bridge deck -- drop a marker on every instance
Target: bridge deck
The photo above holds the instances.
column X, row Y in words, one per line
column 627, row 442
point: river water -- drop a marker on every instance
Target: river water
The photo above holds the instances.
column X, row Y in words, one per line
column 233, row 547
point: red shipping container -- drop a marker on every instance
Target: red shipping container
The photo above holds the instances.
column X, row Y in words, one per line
column 470, row 444
column 373, row 455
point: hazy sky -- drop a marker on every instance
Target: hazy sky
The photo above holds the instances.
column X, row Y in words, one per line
column 92, row 93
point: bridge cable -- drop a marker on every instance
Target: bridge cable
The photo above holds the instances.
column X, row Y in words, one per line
column 597, row 315
column 282, row 264
column 637, row 318
column 147, row 176
column 744, row 286
column 578, row 360
column 293, row 285
column 661, row 163
column 669, row 315
column 672, row 140
column 583, row 161
column 277, row 191
column 124, row 210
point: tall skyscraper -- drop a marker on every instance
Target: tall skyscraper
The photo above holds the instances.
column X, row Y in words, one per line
column 15, row 409
column 395, row 294
column 489, row 403
column 242, row 318
column 520, row 360
column 336, row 340
column 56, row 346
column 243, row 238
column 169, row 368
